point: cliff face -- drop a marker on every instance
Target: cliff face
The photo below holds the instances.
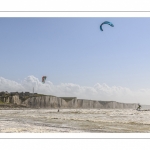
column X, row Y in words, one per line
column 73, row 102
column 42, row 101
column 12, row 99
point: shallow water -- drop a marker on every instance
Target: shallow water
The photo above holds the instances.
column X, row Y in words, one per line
column 74, row 120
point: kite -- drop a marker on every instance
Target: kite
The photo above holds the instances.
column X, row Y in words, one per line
column 106, row 22
column 43, row 79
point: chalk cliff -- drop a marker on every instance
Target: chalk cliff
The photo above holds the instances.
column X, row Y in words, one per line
column 12, row 99
column 48, row 101
column 73, row 102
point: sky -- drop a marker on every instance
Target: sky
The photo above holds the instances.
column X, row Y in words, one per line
column 77, row 58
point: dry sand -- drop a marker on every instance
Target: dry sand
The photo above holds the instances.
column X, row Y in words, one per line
column 74, row 120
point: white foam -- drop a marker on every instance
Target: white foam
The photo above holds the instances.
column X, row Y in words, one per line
column 74, row 120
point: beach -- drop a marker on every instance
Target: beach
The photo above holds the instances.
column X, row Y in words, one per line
column 74, row 121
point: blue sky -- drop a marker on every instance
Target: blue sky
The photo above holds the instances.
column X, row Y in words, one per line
column 74, row 50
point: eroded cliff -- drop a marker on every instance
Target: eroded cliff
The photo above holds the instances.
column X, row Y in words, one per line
column 48, row 101
column 73, row 102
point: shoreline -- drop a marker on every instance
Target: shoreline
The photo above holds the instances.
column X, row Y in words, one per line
column 74, row 120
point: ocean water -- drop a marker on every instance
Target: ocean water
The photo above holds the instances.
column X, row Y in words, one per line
column 74, row 121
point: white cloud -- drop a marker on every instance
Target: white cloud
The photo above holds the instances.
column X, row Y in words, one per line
column 10, row 86
column 97, row 92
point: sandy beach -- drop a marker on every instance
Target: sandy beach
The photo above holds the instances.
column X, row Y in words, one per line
column 74, row 121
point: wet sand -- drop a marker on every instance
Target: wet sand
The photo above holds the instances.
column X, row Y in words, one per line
column 74, row 120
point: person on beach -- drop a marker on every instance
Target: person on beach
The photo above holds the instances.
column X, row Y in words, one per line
column 139, row 107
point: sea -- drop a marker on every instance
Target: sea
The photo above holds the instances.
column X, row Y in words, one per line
column 74, row 121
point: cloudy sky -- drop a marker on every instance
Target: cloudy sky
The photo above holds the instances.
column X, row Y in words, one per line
column 77, row 58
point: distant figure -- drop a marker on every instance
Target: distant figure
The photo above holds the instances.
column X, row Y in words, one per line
column 58, row 110
column 139, row 107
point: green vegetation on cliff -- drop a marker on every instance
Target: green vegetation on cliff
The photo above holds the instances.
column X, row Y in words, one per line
column 23, row 98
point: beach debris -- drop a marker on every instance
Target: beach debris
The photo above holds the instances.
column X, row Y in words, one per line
column 44, row 78
column 106, row 22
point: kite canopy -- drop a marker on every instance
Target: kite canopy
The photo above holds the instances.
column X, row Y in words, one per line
column 106, row 22
column 43, row 79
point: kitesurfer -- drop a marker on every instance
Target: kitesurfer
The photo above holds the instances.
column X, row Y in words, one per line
column 139, row 107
